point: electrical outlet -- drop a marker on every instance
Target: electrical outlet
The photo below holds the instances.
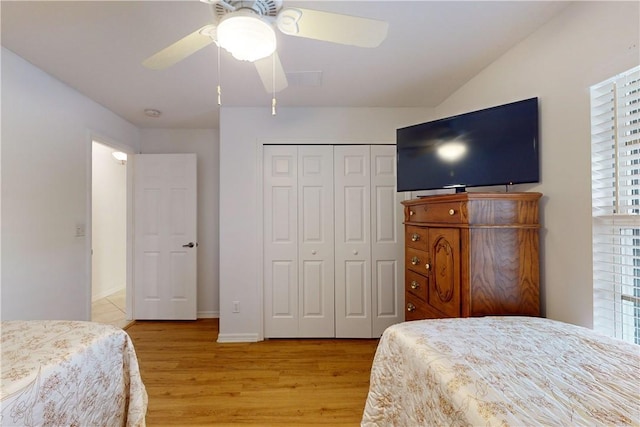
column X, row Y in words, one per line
column 80, row 230
column 236, row 306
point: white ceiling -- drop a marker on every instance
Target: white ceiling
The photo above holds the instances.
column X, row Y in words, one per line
column 96, row 47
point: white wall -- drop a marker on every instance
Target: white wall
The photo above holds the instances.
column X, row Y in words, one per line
column 46, row 140
column 203, row 142
column 45, row 143
column 108, row 223
column 242, row 132
column 589, row 42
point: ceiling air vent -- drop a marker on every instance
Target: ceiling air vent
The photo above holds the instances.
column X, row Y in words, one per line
column 304, row 78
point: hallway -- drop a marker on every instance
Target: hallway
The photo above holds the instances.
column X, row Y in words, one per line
column 111, row 309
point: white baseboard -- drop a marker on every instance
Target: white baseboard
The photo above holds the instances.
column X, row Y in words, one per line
column 208, row 314
column 227, row 338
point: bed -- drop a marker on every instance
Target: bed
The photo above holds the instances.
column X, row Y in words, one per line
column 502, row 371
column 69, row 373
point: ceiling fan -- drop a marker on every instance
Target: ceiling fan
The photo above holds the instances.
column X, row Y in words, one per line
column 246, row 30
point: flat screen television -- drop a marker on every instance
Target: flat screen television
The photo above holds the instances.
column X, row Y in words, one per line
column 494, row 146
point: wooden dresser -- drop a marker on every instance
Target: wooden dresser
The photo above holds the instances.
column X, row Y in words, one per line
column 472, row 254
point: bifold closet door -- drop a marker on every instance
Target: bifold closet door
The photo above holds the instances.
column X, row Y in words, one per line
column 368, row 242
column 333, row 241
column 352, row 184
column 315, row 241
column 387, row 241
column 298, row 239
column 280, row 240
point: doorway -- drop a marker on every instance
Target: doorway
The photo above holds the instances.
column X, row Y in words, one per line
column 109, row 235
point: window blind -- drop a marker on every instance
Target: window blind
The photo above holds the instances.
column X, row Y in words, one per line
column 615, row 178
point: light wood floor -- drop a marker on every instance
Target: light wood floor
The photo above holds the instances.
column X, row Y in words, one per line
column 192, row 380
column 111, row 309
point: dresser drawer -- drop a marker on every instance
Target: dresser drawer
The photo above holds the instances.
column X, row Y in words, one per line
column 417, row 285
column 414, row 309
column 447, row 213
column 416, row 237
column 416, row 260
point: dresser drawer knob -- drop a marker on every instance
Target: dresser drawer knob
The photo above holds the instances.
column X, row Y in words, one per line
column 452, row 212
column 313, row 252
column 427, row 266
column 411, row 213
column 415, row 237
column 411, row 307
column 415, row 260
column 415, row 285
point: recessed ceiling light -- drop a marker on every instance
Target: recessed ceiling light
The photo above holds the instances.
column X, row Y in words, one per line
column 152, row 112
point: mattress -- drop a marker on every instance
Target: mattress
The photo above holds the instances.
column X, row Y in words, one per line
column 69, row 373
column 502, row 371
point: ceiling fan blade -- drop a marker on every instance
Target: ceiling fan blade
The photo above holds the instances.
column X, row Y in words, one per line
column 266, row 67
column 181, row 49
column 332, row 27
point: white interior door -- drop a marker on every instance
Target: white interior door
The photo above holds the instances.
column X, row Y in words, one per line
column 165, row 247
column 353, row 241
column 280, row 193
column 387, row 241
column 315, row 241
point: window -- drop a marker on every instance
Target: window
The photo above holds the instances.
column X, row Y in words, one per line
column 615, row 187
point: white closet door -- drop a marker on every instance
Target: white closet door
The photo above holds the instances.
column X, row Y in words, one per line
column 352, row 243
column 280, row 241
column 333, row 241
column 315, row 241
column 387, row 241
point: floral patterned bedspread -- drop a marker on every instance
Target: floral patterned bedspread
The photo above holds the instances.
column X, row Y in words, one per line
column 69, row 373
column 502, row 371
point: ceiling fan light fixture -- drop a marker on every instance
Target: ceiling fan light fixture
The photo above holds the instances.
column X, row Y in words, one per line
column 246, row 36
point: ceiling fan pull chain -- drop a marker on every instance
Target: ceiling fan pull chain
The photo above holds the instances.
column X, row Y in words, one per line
column 219, row 78
column 273, row 80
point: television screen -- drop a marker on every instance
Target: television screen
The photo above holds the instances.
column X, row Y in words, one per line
column 494, row 146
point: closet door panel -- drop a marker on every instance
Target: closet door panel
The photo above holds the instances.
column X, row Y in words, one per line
column 311, row 287
column 355, row 289
column 385, row 290
column 387, row 241
column 316, row 241
column 354, row 199
column 353, row 241
column 283, row 296
column 280, row 241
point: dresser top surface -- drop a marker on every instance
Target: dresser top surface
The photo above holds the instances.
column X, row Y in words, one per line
column 468, row 196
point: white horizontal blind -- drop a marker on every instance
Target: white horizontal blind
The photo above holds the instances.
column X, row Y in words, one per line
column 615, row 176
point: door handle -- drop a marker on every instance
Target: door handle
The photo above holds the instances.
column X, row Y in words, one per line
column 190, row 245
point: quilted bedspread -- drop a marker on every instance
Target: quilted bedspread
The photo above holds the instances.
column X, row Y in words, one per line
column 502, row 371
column 69, row 373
